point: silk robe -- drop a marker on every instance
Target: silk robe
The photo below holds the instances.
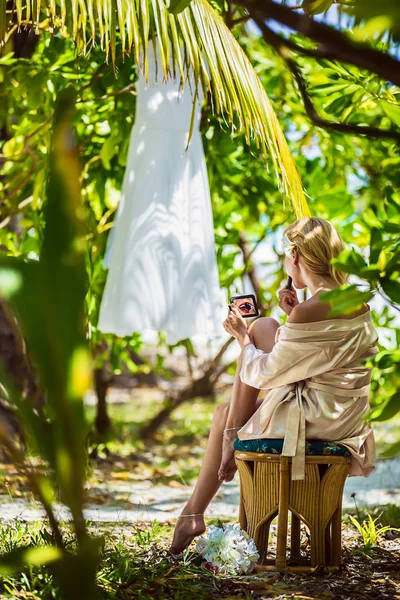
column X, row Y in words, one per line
column 317, row 389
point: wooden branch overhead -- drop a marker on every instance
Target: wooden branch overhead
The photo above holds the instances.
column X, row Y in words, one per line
column 332, row 44
column 280, row 45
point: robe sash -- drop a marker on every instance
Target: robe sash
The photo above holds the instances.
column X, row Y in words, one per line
column 295, row 437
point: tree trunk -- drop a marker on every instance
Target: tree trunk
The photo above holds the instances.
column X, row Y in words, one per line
column 102, row 382
column 14, row 359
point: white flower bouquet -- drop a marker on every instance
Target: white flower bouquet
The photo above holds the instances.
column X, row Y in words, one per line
column 228, row 550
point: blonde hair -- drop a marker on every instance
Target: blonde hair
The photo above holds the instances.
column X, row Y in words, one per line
column 317, row 241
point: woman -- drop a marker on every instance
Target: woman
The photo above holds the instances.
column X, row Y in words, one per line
column 313, row 369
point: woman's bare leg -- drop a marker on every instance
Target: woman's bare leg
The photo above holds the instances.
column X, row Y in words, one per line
column 243, row 404
column 262, row 332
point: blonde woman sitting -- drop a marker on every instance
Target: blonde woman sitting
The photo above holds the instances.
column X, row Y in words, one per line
column 312, row 368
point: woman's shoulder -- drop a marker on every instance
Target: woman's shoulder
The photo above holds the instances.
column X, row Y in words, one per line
column 313, row 310
column 307, row 312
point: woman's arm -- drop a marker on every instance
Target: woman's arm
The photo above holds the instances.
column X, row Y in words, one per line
column 289, row 360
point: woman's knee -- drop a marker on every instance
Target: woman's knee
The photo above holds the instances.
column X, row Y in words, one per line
column 263, row 331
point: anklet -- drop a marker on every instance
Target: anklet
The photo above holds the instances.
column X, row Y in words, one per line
column 233, row 428
column 195, row 515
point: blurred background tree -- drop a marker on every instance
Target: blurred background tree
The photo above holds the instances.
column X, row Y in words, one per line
column 331, row 71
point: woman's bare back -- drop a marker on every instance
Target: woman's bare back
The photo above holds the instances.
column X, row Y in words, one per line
column 315, row 310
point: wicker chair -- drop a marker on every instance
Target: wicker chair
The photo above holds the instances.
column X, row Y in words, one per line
column 266, row 490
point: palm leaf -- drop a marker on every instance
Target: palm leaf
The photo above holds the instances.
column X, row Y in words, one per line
column 218, row 62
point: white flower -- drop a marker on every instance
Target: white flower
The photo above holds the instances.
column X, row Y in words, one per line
column 216, row 534
column 229, row 548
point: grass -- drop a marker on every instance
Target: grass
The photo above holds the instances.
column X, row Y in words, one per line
column 135, row 563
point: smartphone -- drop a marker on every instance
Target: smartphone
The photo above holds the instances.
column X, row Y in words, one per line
column 247, row 305
column 289, row 283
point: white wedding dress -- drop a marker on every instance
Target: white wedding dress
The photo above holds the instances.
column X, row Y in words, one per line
column 163, row 273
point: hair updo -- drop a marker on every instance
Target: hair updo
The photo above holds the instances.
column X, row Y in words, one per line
column 317, row 241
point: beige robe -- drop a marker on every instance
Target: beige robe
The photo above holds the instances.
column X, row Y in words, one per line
column 317, row 389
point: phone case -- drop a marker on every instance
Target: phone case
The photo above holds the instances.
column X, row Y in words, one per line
column 253, row 308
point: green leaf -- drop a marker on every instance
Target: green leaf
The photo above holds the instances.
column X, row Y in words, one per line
column 393, row 264
column 382, row 260
column 13, row 146
column 108, row 151
column 177, row 6
column 391, row 110
column 349, row 261
column 393, row 450
column 356, row 524
column 391, row 288
column 329, row 88
column 8, row 59
column 316, row 6
column 370, row 273
column 375, row 25
column 389, row 410
column 10, row 282
column 22, row 557
column 345, row 300
column 337, row 105
column 387, row 359
column 376, row 241
column 392, row 227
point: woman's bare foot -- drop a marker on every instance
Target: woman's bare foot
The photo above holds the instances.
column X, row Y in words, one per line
column 228, row 466
column 187, row 528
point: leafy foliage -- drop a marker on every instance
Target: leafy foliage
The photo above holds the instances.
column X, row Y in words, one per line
column 198, row 39
column 352, row 181
column 53, row 323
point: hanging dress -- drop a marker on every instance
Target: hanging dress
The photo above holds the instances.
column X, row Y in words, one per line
column 163, row 273
column 317, row 389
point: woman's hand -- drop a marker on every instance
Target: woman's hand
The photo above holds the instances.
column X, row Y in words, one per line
column 287, row 300
column 236, row 326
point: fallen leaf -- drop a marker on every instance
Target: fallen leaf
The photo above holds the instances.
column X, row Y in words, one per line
column 176, row 484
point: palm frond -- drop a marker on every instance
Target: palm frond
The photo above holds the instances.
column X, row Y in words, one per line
column 210, row 50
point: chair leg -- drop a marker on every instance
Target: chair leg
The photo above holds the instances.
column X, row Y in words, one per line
column 242, row 513
column 263, row 539
column 282, row 513
column 317, row 546
column 328, row 543
column 295, row 555
column 337, row 536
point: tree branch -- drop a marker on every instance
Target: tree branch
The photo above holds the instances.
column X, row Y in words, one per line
column 128, row 89
column 282, row 46
column 240, row 20
column 333, row 44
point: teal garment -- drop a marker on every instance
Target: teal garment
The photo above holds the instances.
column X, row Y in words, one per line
column 274, row 446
